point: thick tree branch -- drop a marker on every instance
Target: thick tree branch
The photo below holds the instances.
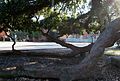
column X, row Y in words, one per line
column 106, row 39
column 75, row 49
column 83, row 69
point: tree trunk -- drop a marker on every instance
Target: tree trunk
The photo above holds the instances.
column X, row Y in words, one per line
column 83, row 69
column 106, row 39
column 13, row 46
column 86, row 67
column 115, row 60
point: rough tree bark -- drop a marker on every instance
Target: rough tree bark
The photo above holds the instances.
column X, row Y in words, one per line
column 76, row 50
column 106, row 39
column 82, row 70
column 109, row 36
column 85, row 68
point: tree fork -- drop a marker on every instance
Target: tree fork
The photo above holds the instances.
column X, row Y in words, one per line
column 86, row 68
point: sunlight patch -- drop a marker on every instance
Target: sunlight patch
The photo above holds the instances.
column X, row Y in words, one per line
column 9, row 68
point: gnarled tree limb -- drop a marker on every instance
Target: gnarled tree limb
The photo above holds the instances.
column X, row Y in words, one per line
column 75, row 49
column 106, row 39
column 86, row 67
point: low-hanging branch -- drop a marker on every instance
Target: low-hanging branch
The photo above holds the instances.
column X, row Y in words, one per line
column 75, row 49
column 83, row 69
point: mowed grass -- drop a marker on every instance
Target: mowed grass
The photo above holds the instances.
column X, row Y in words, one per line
column 114, row 52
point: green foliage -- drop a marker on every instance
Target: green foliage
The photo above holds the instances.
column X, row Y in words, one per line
column 13, row 16
column 18, row 14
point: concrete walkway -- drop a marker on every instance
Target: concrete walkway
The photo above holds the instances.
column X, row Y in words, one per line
column 35, row 45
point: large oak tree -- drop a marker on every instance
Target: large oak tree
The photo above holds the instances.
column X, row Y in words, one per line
column 18, row 14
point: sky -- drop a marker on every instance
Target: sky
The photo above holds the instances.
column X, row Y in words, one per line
column 69, row 13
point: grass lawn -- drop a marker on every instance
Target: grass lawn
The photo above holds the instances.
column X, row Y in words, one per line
column 114, row 52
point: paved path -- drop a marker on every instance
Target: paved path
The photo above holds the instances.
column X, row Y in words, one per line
column 35, row 45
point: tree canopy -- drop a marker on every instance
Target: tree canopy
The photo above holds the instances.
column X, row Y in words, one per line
column 64, row 16
column 87, row 14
